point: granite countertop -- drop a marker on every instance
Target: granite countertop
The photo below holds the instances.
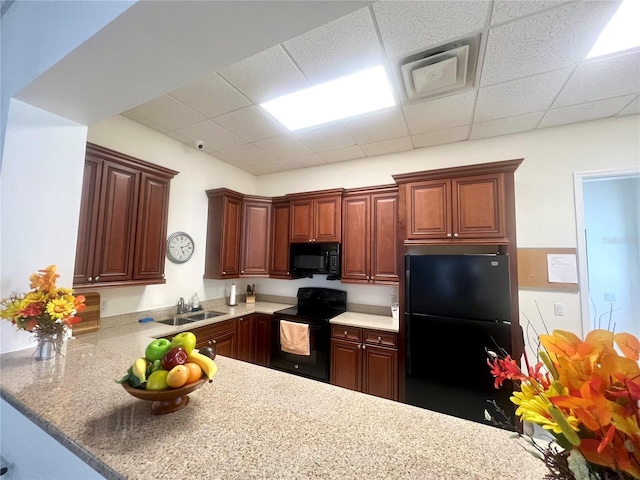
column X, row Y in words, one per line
column 365, row 320
column 251, row 422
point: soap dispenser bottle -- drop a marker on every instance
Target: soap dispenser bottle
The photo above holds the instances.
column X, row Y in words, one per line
column 195, row 301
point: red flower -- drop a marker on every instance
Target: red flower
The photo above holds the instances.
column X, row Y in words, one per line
column 505, row 369
column 33, row 310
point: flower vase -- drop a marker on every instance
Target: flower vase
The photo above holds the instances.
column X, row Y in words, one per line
column 47, row 347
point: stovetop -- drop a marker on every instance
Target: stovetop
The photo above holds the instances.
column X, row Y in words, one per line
column 317, row 304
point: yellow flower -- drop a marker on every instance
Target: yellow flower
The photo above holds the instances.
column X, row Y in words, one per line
column 534, row 406
column 11, row 309
column 60, row 308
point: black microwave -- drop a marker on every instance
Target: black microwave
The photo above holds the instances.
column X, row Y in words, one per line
column 309, row 258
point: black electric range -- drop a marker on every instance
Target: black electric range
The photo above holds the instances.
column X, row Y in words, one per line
column 316, row 306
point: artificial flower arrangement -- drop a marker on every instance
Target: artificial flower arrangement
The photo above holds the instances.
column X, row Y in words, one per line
column 587, row 396
column 46, row 310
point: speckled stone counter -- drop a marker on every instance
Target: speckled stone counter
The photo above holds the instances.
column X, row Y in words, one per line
column 365, row 320
column 251, row 422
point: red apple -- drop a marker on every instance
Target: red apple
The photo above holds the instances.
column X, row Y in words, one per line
column 174, row 357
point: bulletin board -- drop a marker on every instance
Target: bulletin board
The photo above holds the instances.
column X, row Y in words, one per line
column 533, row 268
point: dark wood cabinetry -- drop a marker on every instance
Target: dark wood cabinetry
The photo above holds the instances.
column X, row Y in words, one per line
column 315, row 216
column 365, row 360
column 222, row 259
column 262, row 330
column 279, row 267
column 369, row 236
column 246, row 338
column 123, row 221
column 256, row 238
column 223, row 336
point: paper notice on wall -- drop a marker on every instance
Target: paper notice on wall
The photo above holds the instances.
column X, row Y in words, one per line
column 562, row 268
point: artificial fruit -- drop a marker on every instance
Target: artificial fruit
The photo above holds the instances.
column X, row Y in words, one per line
column 186, row 340
column 156, row 349
column 175, row 356
column 207, row 365
column 158, row 380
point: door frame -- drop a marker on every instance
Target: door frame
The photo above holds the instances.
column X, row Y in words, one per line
column 583, row 272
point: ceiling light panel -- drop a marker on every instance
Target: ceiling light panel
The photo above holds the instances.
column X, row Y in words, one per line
column 621, row 33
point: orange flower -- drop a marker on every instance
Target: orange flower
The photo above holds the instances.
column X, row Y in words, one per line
column 45, row 280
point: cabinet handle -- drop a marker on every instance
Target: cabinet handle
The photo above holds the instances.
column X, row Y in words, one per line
column 90, row 279
column 455, row 234
column 448, row 234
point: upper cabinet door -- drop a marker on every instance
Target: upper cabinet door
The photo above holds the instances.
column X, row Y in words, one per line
column 429, row 209
column 151, row 230
column 327, row 219
column 356, row 241
column 280, row 240
column 384, row 230
column 478, row 206
column 256, row 215
column 301, row 221
column 117, row 220
column 230, row 254
column 88, row 224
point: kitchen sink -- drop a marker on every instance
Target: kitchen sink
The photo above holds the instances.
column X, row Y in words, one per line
column 204, row 315
column 176, row 321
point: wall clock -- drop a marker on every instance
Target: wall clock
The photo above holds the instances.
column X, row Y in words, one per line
column 180, row 247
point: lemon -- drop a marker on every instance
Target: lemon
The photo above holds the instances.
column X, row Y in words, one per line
column 158, row 380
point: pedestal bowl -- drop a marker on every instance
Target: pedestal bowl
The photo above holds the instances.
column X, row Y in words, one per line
column 165, row 401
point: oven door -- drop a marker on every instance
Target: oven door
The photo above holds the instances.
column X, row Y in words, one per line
column 315, row 365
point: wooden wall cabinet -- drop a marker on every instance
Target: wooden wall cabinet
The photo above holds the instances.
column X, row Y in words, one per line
column 123, row 221
column 279, row 262
column 365, row 360
column 256, row 238
column 463, row 208
column 369, row 231
column 222, row 258
column 315, row 216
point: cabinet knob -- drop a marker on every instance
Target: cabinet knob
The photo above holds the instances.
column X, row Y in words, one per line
column 455, row 235
column 212, row 341
column 97, row 278
column 364, row 347
column 164, row 276
column 241, row 318
column 345, row 333
column 448, row 234
column 379, row 339
column 287, row 273
column 296, row 366
column 224, row 273
column 359, row 345
column 241, row 271
column 90, row 279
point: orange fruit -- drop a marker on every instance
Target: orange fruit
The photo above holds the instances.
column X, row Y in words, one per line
column 195, row 372
column 177, row 376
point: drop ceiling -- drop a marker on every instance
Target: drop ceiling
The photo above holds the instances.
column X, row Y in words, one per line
column 531, row 73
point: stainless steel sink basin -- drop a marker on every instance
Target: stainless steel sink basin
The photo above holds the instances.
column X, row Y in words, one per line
column 176, row 321
column 204, row 315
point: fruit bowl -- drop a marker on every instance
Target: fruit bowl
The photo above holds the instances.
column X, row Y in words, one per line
column 165, row 401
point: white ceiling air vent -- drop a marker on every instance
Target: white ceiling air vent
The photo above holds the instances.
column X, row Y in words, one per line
column 442, row 70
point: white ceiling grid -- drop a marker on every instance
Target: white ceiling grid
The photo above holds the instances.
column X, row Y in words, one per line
column 532, row 73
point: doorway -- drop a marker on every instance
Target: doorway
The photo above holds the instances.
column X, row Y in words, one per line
column 608, row 232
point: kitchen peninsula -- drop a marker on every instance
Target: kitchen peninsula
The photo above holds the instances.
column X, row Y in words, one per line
column 251, row 422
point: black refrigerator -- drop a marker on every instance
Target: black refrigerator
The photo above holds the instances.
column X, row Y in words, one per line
column 455, row 307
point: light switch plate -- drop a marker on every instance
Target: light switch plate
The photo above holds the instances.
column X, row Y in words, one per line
column 558, row 309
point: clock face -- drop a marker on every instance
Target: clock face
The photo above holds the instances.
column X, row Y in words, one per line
column 179, row 247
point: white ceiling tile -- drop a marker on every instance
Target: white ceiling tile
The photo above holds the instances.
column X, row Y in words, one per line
column 250, row 123
column 529, row 94
column 245, row 154
column 265, row 76
column 585, row 111
column 168, row 113
column 408, row 27
column 211, row 96
column 327, row 137
column 504, row 126
column 304, row 161
column 632, row 109
column 338, row 48
column 505, row 10
column 342, row 154
column 441, row 137
column 378, row 126
column 147, row 123
column 550, row 40
column 213, row 136
column 451, row 111
column 264, row 168
column 385, row 147
column 284, row 146
column 597, row 80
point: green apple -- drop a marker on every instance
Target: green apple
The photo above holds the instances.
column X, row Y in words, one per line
column 156, row 349
column 186, row 340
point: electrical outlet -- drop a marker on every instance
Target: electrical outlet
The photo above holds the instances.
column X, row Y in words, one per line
column 104, row 306
column 559, row 309
column 609, row 297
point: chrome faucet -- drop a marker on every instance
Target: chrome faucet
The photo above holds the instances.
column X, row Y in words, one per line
column 181, row 308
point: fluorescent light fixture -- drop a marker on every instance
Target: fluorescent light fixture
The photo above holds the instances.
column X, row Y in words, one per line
column 621, row 33
column 362, row 92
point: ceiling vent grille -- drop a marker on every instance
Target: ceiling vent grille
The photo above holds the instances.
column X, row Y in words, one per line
column 443, row 70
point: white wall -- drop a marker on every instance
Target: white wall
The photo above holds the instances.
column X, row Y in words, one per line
column 41, row 180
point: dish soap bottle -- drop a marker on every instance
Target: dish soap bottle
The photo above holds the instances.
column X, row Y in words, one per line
column 195, row 301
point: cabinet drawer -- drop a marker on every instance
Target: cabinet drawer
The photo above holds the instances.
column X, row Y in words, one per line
column 378, row 337
column 215, row 328
column 346, row 333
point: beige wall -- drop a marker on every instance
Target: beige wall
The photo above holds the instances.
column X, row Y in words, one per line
column 544, row 199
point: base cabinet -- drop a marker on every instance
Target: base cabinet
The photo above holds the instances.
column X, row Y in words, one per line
column 246, row 338
column 222, row 336
column 365, row 360
column 262, row 329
